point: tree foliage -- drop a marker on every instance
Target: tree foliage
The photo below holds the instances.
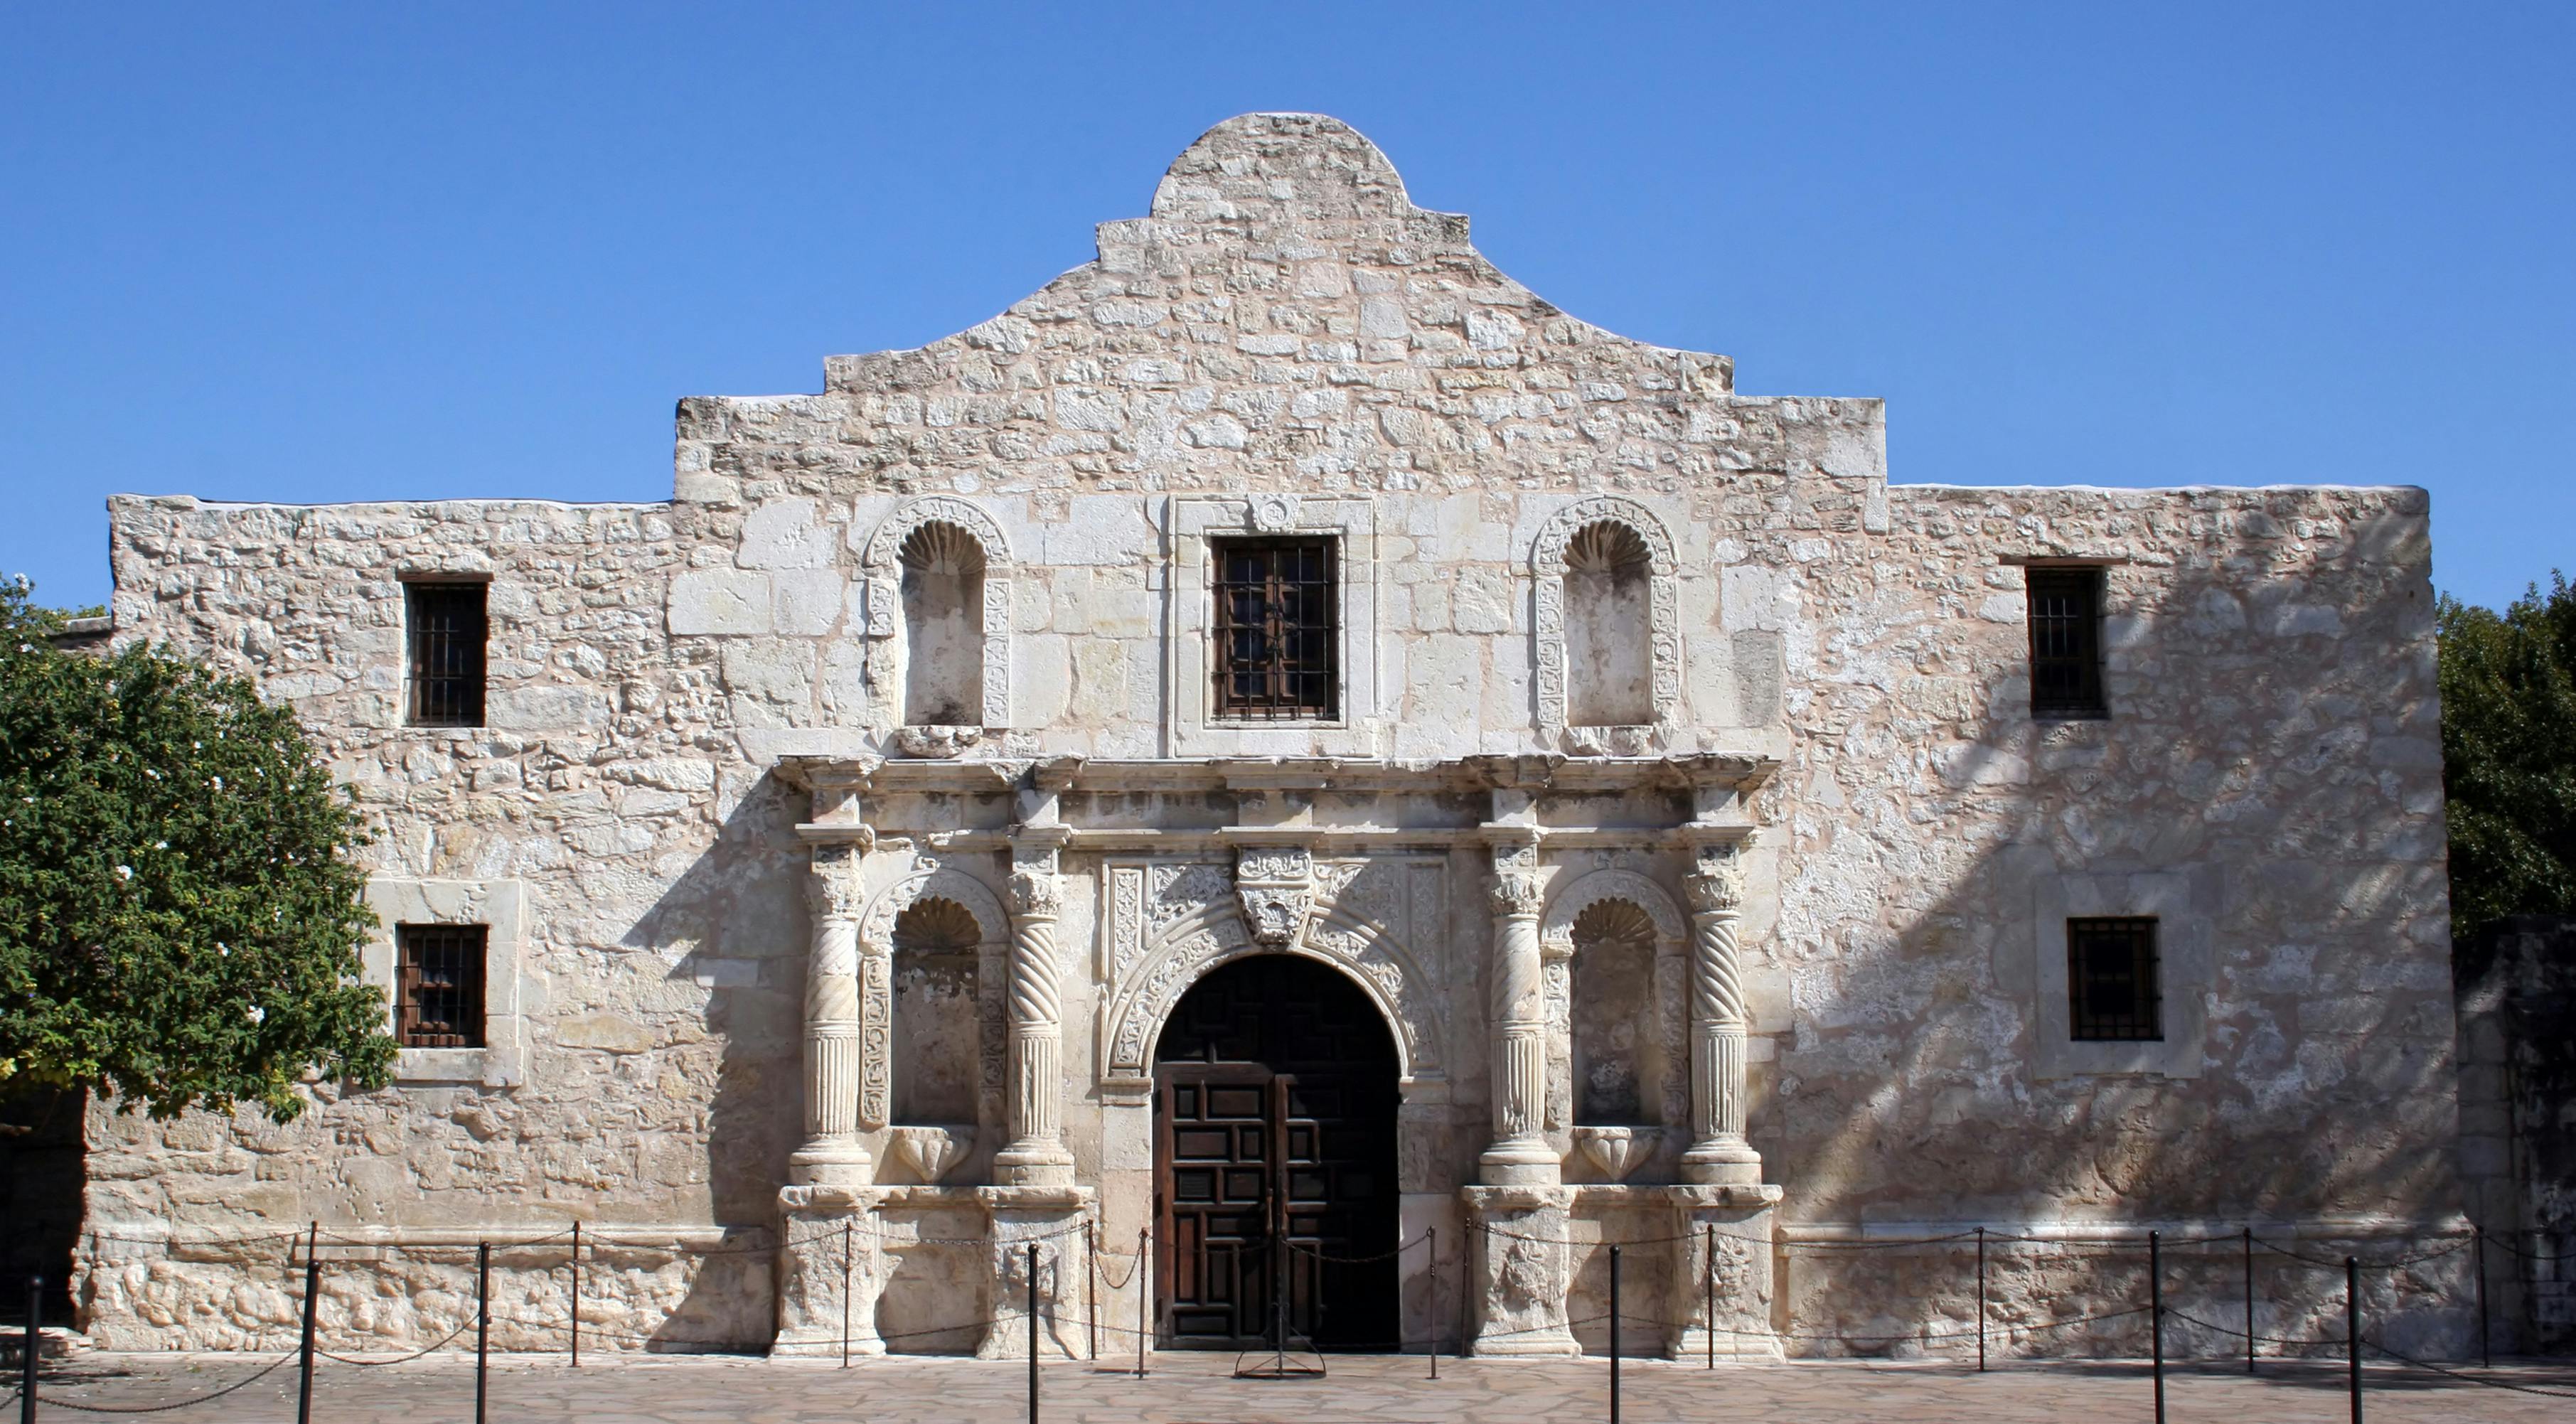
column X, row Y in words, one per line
column 2509, row 756
column 180, row 915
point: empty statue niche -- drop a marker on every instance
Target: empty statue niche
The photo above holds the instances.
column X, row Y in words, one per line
column 1619, row 1067
column 1609, row 622
column 943, row 627
column 935, row 1056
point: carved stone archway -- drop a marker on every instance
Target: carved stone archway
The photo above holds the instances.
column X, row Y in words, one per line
column 1664, row 644
column 928, row 880
column 880, row 565
column 1167, row 954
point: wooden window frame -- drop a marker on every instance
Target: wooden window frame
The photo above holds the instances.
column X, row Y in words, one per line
column 2065, row 617
column 2114, row 979
column 448, row 666
column 1282, row 663
column 461, row 951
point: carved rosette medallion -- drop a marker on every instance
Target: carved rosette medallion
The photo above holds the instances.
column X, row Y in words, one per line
column 1276, row 885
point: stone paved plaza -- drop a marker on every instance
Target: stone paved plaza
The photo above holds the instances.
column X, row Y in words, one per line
column 1197, row 1389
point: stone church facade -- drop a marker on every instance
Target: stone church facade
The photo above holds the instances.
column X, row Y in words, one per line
column 1286, row 751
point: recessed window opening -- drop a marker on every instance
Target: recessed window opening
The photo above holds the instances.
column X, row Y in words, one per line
column 943, row 627
column 1609, row 649
column 2066, row 643
column 1618, row 1062
column 2112, row 977
column 438, row 997
column 937, row 1048
column 448, row 633
column 1277, row 629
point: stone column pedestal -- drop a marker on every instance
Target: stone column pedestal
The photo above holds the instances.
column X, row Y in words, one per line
column 822, row 1229
column 1518, row 1273
column 1053, row 1217
column 1743, row 1220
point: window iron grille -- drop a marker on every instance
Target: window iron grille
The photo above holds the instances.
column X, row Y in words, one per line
column 2066, row 643
column 439, row 985
column 2111, row 976
column 1278, row 630
column 448, row 631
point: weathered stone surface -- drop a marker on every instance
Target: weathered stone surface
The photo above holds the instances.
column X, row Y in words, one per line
column 1286, row 344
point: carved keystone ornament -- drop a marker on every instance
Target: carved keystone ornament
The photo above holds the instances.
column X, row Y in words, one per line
column 1277, row 887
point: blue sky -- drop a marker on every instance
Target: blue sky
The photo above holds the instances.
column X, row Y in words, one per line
column 353, row 252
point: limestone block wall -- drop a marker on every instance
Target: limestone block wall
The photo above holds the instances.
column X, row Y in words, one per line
column 1287, row 344
column 663, row 925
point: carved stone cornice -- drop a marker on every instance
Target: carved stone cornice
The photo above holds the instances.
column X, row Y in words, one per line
column 1742, row 772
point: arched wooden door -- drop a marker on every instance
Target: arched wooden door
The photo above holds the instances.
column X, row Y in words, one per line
column 1274, row 1100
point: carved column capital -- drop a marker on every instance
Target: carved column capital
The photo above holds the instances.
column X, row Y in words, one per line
column 832, row 885
column 1715, row 885
column 1516, row 893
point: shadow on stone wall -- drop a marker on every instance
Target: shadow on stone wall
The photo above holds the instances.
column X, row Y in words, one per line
column 729, row 946
column 2517, row 992
column 43, row 1164
column 2281, row 773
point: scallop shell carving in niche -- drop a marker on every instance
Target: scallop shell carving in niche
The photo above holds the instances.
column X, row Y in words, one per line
column 929, row 1152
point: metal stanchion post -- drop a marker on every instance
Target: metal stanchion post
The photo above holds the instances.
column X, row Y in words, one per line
column 1033, row 1333
column 482, row 1327
column 1614, row 1335
column 1144, row 1295
column 1431, row 1238
column 312, row 1290
column 2486, row 1356
column 29, row 1348
column 2249, row 1300
column 576, row 1295
column 1711, row 1283
column 1981, row 1300
column 2156, row 1314
column 2352, row 1329
column 1091, row 1285
column 849, row 1244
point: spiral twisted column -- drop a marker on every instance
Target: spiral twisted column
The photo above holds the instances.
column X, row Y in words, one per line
column 1718, row 1152
column 832, row 1154
column 1520, row 1154
column 1035, row 1155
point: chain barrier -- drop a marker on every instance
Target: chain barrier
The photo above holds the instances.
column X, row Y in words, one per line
column 52, row 1402
column 403, row 1360
column 1088, row 1315
column 2428, row 1365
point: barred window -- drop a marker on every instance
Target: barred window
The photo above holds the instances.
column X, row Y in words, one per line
column 1277, row 629
column 2111, row 974
column 438, row 997
column 447, row 635
column 2066, row 643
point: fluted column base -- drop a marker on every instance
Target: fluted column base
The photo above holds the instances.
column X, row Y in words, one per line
column 1521, row 1155
column 834, row 1161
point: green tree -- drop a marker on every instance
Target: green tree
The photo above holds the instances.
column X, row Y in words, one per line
column 180, row 912
column 2509, row 756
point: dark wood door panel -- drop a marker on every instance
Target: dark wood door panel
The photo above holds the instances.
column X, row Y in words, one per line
column 1276, row 1148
